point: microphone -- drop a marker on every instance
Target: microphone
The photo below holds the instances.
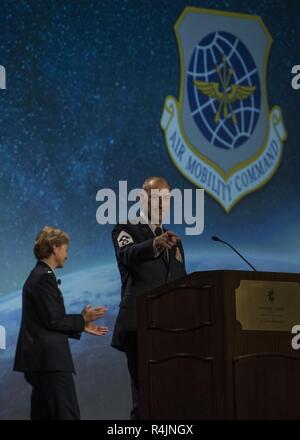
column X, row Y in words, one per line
column 214, row 238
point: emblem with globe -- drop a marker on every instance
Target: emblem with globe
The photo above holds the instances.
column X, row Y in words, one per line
column 220, row 133
column 224, row 90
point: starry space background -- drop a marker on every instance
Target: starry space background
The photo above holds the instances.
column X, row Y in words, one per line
column 86, row 84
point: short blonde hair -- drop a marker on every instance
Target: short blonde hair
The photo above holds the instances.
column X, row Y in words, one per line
column 46, row 239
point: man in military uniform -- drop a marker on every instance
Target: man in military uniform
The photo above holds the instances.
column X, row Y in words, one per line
column 43, row 351
column 148, row 256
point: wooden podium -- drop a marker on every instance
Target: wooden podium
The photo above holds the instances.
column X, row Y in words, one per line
column 217, row 345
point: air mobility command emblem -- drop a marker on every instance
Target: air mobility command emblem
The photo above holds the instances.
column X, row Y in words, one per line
column 221, row 134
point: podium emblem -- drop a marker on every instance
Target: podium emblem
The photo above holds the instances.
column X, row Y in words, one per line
column 257, row 309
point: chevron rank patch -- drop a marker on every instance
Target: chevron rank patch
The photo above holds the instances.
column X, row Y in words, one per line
column 124, row 239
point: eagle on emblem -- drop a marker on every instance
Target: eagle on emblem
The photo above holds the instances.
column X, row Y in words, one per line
column 230, row 94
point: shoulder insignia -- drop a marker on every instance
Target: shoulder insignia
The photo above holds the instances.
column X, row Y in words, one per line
column 124, row 239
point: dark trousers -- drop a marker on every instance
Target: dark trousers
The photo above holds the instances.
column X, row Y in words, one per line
column 132, row 362
column 53, row 396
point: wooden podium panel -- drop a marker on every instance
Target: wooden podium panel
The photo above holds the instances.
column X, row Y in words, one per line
column 197, row 361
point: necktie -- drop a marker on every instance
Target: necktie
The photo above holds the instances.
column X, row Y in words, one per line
column 158, row 231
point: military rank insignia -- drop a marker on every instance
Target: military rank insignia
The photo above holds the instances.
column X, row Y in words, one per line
column 178, row 255
column 124, row 239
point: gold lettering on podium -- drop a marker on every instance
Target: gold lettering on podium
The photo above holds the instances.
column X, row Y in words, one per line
column 267, row 305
